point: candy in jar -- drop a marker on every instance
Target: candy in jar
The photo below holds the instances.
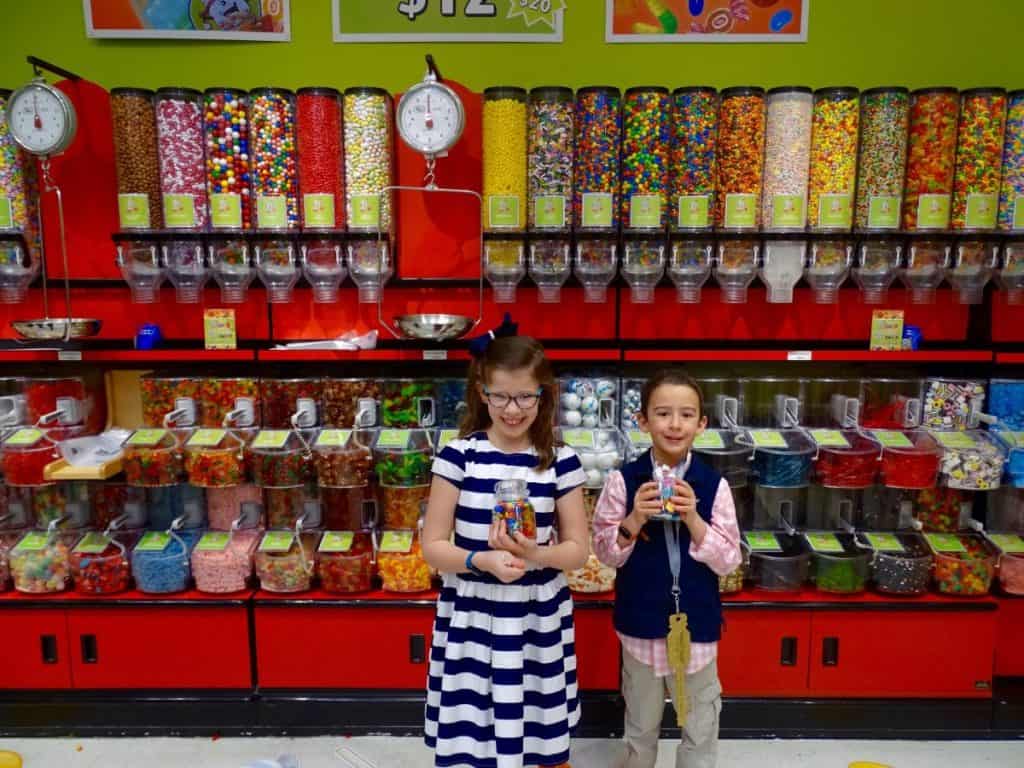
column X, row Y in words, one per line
column 26, row 453
column 135, row 153
column 273, row 158
column 225, row 505
column 40, row 562
column 593, row 578
column 283, row 398
column 344, row 562
column 321, row 161
column 402, row 457
column 226, row 127
column 351, row 402
column 284, row 562
column 369, row 158
column 1011, row 213
column 833, row 158
column 550, row 157
column 152, row 459
column 219, row 397
column 692, row 161
column 284, row 506
column 952, row 403
column 964, row 564
column 943, row 509
column 401, row 564
column 180, row 144
column 741, row 133
column 79, row 401
column 646, row 143
column 163, row 394
column 100, row 564
column 972, row 460
column 161, row 561
column 787, row 157
column 931, row 152
column 216, row 458
column 979, row 154
column 279, row 459
column 512, row 505
column 402, row 505
column 596, row 177
column 504, row 160
column 408, row 403
column 222, row 561
column 881, row 161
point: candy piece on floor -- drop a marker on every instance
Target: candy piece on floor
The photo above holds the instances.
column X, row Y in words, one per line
column 9, row 759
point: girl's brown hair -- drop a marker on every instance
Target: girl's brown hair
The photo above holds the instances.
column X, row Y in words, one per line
column 673, row 377
column 514, row 353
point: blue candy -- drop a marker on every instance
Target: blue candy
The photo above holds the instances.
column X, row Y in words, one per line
column 167, row 571
column 696, row 7
column 780, row 20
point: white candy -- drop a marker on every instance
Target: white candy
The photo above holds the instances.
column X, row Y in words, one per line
column 589, row 460
column 572, row 418
column 589, row 404
column 594, row 477
column 608, row 460
column 571, row 401
column 590, row 421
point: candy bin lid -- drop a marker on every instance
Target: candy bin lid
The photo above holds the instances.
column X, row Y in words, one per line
column 1009, row 544
column 775, row 545
column 600, row 451
column 778, row 560
column 840, row 564
column 723, row 449
column 783, row 442
column 444, row 436
column 836, row 545
column 972, row 460
column 894, row 543
column 905, row 442
column 403, row 456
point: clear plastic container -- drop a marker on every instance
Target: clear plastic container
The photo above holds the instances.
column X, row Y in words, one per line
column 370, row 263
column 833, row 159
column 601, row 451
column 1006, row 402
column 343, row 458
column 595, row 264
column 550, row 265
column 596, row 175
column 735, row 268
column 228, row 179
column 40, row 562
column 1006, row 509
column 646, row 144
column 115, row 502
column 723, row 402
column 1011, row 561
column 773, row 505
column 882, row 159
column 630, row 402
column 931, row 154
column 925, row 268
column 277, row 463
column 952, row 403
column 286, row 568
column 772, row 402
column 504, row 260
column 346, row 561
column 19, row 184
column 222, row 562
column 346, row 508
column 832, row 402
column 276, row 262
column 979, row 156
column 237, row 397
column 68, row 401
column 828, row 266
column 589, row 400
column 225, row 505
column 163, row 394
column 403, row 457
column 505, row 159
column 181, row 150
column 408, row 403
column 902, row 562
column 845, row 459
column 1013, row 444
column 726, row 455
column 836, row 509
column 965, row 564
column 401, row 506
column 512, row 506
column 689, row 267
column 741, row 138
column 135, row 157
column 369, row 158
column 844, row 572
column 974, row 264
column 971, row 461
column 101, row 564
column 187, row 268
column 323, row 262
column 943, row 509
column 643, row 265
column 152, row 461
column 220, row 465
column 782, row 570
column 876, row 266
column 284, row 507
column 400, row 563
column 782, row 458
column 890, row 403
column 451, row 402
column 594, row 578
column 25, row 456
column 1010, row 274
column 782, row 268
column 910, row 459
column 349, row 403
column 550, row 134
column 787, row 155
column 1012, row 186
column 161, row 561
column 692, row 168
column 274, row 159
column 284, row 398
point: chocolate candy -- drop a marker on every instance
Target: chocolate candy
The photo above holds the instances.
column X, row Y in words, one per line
column 226, row 127
column 881, row 162
column 180, row 145
column 905, row 572
column 321, row 160
column 692, row 168
column 598, row 138
column 646, row 143
column 135, row 156
column 1012, row 186
column 741, row 134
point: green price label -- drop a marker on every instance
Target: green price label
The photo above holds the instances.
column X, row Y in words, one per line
column 1013, row 439
column 134, row 211
column 709, row 441
column 933, row 212
column 981, row 211
column 272, row 211
column 830, row 438
column 503, row 211
column 835, row 211
column 146, row 437
column 226, row 210
column 6, row 213
column 445, row 436
column 92, row 544
column 1018, row 212
column 645, row 211
column 179, row 211
column 578, row 438
column 394, row 438
column 271, row 438
column 277, row 541
column 337, row 541
column 885, row 542
column 25, row 437
column 890, row 438
column 768, row 438
column 318, row 210
column 824, row 542
column 884, row 212
column 694, row 212
column 639, row 439
column 154, row 541
column 396, row 541
column 333, row 438
column 788, row 212
column 214, row 541
column 740, row 211
column 365, row 212
column 945, row 542
column 597, row 210
column 955, row 440
column 206, row 438
column 762, row 541
column 1010, row 543
column 549, row 212
column 32, row 542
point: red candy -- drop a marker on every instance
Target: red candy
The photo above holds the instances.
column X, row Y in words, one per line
column 179, row 127
column 321, row 160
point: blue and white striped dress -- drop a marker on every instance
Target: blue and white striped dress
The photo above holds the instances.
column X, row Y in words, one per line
column 501, row 690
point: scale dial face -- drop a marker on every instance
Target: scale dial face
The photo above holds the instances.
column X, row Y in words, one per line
column 430, row 118
column 41, row 119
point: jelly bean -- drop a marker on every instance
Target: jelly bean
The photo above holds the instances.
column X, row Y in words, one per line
column 290, row 571
column 227, row 570
column 274, row 163
column 161, row 395
column 931, row 151
column 646, row 144
column 225, row 505
column 180, row 145
column 852, row 468
column 741, row 134
column 404, row 571
column 402, row 505
column 780, row 19
column 25, row 466
column 833, row 158
column 226, row 127
column 135, row 152
column 1012, row 187
column 692, row 162
column 979, row 151
column 344, row 399
column 368, row 158
column 550, row 128
column 909, row 468
column 19, row 183
column 321, row 160
column 81, row 400
column 952, row 404
column 598, row 140
column 348, row 572
column 787, row 157
column 505, row 158
column 884, row 116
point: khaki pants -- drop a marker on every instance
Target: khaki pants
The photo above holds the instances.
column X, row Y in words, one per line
column 645, row 705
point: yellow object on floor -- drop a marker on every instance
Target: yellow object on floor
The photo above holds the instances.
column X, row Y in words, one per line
column 861, row 764
column 9, row 759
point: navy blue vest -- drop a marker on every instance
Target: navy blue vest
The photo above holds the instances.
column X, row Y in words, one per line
column 643, row 586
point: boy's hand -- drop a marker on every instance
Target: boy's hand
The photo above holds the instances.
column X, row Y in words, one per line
column 684, row 502
column 646, row 504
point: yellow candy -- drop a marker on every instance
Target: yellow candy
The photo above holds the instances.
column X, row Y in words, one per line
column 504, row 126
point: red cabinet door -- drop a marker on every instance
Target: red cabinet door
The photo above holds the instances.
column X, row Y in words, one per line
column 163, row 647
column 1009, row 648
column 764, row 653
column 598, row 658
column 901, row 654
column 342, row 647
column 34, row 649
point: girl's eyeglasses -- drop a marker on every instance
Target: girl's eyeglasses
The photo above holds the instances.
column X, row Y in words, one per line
column 524, row 401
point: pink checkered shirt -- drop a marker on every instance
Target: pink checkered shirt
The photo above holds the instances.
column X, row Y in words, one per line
column 720, row 551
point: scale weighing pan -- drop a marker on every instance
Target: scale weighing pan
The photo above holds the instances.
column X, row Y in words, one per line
column 56, row 328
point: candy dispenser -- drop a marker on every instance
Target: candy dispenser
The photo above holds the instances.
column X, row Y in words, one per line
column 1006, row 509
column 161, row 561
column 277, row 266
column 909, row 459
column 692, row 168
column 274, row 167
column 1010, row 274
column 787, row 155
column 550, row 266
column 782, row 465
column 589, row 400
column 231, row 267
column 291, row 403
column 827, row 268
column 833, row 170
column 370, row 264
column 284, row 506
column 891, row 403
column 646, row 143
column 401, row 506
column 971, row 461
column 1011, row 216
column 901, row 563
column 401, row 564
column 723, row 401
column 101, row 563
column 215, row 458
column 550, row 134
column 25, row 455
column 73, row 401
column 690, row 267
column 973, row 266
column 1010, row 547
column 19, row 222
column 943, row 509
column 226, row 504
column 504, row 263
column 323, row 266
column 66, row 503
column 154, row 458
column 778, row 561
column 40, row 561
column 600, row 450
column 135, row 157
column 117, row 505
column 643, row 264
column 731, row 458
column 285, row 561
column 222, row 561
column 169, row 503
column 318, row 133
column 351, row 403
column 179, row 133
column 505, row 188
column 596, row 174
column 741, row 135
column 925, row 269
column 931, row 152
column 631, row 394
column 831, row 402
column 773, row 402
column 280, row 459
column 13, row 410
column 402, row 458
column 369, row 158
column 782, row 268
column 408, row 403
column 346, row 561
column 876, row 266
column 846, row 465
column 952, row 403
column 343, row 461
column 839, row 564
column 881, row 161
column 138, row 259
column 163, row 395
column 637, row 444
column 979, row 151
column 234, row 401
column 736, row 267
column 451, row 402
column 595, row 264
column 964, row 564
column 186, row 268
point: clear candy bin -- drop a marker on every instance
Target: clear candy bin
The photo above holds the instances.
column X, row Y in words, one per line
column 222, row 561
column 965, row 563
column 401, row 564
column 901, row 564
column 346, row 561
column 778, row 561
column 285, row 562
column 40, row 562
column 838, row 563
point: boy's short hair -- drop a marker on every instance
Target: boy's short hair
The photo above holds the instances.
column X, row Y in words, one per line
column 674, row 377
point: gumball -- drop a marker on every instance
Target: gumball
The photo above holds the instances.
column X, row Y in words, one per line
column 604, row 388
column 573, row 418
column 571, row 401
column 590, row 421
column 589, row 405
column 589, row 461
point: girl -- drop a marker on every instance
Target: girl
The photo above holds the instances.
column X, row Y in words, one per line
column 649, row 580
column 502, row 689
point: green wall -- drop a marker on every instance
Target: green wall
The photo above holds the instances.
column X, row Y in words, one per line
column 852, row 42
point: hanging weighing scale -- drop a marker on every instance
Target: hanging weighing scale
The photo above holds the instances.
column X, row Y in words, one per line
column 431, row 119
column 42, row 121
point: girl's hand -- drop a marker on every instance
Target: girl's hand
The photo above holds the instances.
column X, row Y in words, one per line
column 522, row 547
column 684, row 503
column 502, row 565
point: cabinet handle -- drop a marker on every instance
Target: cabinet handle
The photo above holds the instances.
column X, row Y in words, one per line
column 830, row 651
column 787, row 656
column 90, row 654
column 48, row 647
column 417, row 649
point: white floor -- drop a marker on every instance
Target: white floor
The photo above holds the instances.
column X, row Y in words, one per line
column 381, row 752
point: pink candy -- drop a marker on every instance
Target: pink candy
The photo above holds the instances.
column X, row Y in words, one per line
column 179, row 125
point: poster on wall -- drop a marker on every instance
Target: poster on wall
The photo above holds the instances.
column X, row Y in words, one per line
column 482, row 21
column 266, row 20
column 706, row 21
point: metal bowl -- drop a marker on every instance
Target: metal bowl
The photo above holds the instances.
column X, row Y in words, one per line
column 434, row 327
column 53, row 328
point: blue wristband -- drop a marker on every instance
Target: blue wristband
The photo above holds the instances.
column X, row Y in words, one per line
column 469, row 564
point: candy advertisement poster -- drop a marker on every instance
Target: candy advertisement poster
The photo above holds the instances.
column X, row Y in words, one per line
column 706, row 21
column 458, row 21
column 266, row 20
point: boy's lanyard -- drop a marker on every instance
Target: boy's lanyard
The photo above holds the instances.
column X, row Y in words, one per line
column 678, row 640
